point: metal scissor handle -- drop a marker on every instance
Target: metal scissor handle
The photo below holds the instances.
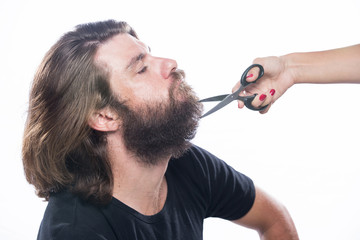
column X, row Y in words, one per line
column 227, row 98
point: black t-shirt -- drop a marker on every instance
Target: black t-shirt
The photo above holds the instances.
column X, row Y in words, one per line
column 199, row 186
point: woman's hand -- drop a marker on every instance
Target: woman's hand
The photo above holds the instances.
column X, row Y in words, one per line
column 276, row 80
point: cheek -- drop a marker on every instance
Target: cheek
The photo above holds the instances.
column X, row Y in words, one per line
column 150, row 93
column 138, row 91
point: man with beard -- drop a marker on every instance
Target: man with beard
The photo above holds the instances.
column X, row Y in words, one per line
column 107, row 144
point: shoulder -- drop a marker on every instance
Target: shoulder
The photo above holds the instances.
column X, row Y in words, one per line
column 200, row 162
column 203, row 170
column 195, row 156
column 74, row 232
column 228, row 193
column 193, row 169
column 68, row 217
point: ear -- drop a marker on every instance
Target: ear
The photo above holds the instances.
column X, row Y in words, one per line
column 104, row 120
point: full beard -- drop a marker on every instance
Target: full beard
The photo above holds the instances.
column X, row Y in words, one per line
column 159, row 130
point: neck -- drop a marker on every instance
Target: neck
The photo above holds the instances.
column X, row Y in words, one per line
column 140, row 186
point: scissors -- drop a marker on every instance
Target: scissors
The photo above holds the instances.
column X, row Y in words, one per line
column 228, row 98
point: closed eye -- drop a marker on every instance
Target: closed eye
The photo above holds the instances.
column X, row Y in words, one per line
column 142, row 70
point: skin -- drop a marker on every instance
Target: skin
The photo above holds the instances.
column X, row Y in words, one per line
column 269, row 218
column 332, row 66
column 144, row 188
column 145, row 80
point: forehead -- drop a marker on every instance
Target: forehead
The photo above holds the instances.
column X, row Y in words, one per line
column 118, row 51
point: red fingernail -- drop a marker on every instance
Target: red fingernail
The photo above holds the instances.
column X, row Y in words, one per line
column 262, row 97
column 272, row 92
column 251, row 75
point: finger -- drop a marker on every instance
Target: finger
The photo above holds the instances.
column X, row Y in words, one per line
column 266, row 109
column 253, row 74
column 259, row 100
column 269, row 98
column 240, row 104
column 236, row 87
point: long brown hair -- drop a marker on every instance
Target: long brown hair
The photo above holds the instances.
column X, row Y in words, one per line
column 60, row 151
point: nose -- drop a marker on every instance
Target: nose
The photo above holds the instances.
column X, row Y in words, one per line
column 167, row 66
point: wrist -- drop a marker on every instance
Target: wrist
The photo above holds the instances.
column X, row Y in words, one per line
column 291, row 69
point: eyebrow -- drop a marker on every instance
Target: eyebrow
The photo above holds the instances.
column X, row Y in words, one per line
column 135, row 60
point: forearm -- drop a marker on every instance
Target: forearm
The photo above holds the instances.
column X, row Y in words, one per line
column 333, row 66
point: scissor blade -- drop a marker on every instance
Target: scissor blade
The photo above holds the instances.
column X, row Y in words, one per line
column 228, row 99
column 215, row 98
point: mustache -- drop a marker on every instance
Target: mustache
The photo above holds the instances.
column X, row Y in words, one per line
column 178, row 75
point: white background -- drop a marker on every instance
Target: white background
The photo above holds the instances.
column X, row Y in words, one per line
column 304, row 151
